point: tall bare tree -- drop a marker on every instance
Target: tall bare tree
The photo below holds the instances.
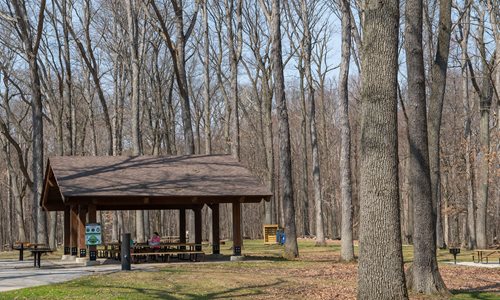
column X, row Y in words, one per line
column 31, row 43
column 423, row 276
column 380, row 270
column 206, row 75
column 347, row 248
column 485, row 92
column 464, row 28
column 438, row 84
column 235, row 45
column 177, row 50
column 285, row 161
column 132, row 7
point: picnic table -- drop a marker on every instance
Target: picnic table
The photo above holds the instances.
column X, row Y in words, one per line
column 485, row 254
column 21, row 246
column 37, row 254
column 164, row 251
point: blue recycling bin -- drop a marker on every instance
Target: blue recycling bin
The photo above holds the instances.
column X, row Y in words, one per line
column 280, row 236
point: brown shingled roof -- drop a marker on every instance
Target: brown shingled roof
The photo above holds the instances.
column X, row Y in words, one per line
column 166, row 180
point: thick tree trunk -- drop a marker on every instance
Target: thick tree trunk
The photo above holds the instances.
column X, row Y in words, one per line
column 485, row 97
column 285, row 162
column 347, row 248
column 380, row 270
column 423, row 275
column 439, row 69
column 483, row 172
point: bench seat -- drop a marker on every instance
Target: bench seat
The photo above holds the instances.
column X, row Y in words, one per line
column 193, row 255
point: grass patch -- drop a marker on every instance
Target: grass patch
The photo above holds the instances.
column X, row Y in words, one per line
column 317, row 274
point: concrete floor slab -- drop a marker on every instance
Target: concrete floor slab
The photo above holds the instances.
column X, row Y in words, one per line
column 16, row 274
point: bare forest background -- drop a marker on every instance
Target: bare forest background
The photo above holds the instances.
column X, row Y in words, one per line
column 180, row 77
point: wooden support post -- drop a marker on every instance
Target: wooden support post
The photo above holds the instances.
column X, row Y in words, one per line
column 237, row 241
column 67, row 230
column 215, row 229
column 182, row 226
column 92, row 219
column 82, row 214
column 74, row 229
column 197, row 228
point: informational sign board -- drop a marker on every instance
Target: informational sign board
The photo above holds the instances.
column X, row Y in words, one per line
column 93, row 235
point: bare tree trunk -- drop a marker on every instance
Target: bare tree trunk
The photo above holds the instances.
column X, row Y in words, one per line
column 133, row 37
column 30, row 45
column 496, row 33
column 423, row 275
column 68, row 79
column 485, row 96
column 304, row 158
column 270, row 207
column 178, row 53
column 316, row 173
column 291, row 248
column 471, row 221
column 234, row 58
column 380, row 276
column 206, row 74
column 439, row 68
column 15, row 195
column 347, row 248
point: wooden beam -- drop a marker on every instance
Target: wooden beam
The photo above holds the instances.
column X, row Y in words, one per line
column 237, row 240
column 82, row 216
column 74, row 229
column 67, row 230
column 215, row 229
column 197, row 228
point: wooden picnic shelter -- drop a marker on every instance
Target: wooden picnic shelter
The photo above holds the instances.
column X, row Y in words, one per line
column 81, row 185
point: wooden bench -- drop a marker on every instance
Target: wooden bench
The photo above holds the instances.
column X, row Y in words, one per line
column 486, row 254
column 192, row 255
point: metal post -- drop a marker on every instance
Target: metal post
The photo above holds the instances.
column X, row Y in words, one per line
column 125, row 253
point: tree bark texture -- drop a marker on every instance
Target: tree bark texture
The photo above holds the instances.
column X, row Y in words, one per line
column 285, row 162
column 423, row 275
column 347, row 248
column 438, row 85
column 380, row 269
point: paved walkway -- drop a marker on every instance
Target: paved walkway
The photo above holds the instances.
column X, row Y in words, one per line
column 476, row 265
column 16, row 274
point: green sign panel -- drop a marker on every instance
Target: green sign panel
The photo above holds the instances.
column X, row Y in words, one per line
column 93, row 235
